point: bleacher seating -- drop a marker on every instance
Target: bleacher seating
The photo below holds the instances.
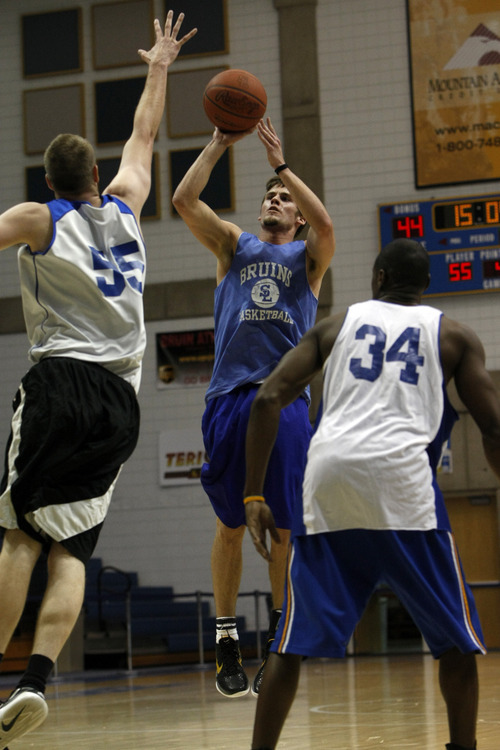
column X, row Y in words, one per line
column 163, row 627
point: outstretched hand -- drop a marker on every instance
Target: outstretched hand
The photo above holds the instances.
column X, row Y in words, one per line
column 259, row 519
column 167, row 46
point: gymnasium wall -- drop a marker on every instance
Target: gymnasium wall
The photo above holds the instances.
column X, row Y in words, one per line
column 166, row 534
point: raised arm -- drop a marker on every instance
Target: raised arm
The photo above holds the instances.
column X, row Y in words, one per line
column 219, row 236
column 133, row 180
column 320, row 238
column 463, row 358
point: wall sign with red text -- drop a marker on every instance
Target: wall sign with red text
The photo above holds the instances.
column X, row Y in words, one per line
column 184, row 358
column 461, row 235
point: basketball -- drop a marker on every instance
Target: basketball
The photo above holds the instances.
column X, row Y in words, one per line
column 234, row 100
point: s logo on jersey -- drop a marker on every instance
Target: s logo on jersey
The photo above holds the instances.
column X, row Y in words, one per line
column 265, row 293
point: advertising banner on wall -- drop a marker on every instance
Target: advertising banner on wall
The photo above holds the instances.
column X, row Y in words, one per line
column 454, row 50
column 181, row 454
column 184, row 358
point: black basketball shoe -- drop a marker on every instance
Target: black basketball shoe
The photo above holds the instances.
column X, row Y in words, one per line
column 230, row 679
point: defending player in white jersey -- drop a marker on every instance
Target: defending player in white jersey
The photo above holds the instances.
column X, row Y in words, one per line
column 76, row 415
column 372, row 510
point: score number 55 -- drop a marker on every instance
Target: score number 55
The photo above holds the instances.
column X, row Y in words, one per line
column 461, row 271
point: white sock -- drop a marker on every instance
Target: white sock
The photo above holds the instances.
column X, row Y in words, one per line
column 225, row 627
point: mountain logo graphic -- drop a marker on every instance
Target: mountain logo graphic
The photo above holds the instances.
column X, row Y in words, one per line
column 481, row 48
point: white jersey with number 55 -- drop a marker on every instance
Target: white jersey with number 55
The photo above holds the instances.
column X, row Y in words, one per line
column 82, row 296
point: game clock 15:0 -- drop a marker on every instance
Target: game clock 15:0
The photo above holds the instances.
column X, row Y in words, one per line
column 467, row 214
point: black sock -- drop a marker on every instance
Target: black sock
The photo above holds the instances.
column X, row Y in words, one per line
column 454, row 746
column 37, row 673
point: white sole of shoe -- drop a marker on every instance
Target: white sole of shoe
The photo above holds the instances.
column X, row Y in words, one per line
column 25, row 712
column 233, row 695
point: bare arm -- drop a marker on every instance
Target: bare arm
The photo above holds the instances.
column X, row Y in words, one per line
column 133, row 181
column 320, row 238
column 294, row 371
column 29, row 223
column 219, row 236
column 463, row 358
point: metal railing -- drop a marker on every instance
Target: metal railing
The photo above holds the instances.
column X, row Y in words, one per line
column 198, row 596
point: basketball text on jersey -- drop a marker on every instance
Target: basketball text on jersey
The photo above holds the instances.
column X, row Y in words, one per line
column 266, row 269
column 266, row 315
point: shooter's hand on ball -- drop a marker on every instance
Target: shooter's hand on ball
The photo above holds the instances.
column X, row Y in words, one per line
column 227, row 139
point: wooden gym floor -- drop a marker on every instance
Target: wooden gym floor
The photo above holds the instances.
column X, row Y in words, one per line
column 359, row 703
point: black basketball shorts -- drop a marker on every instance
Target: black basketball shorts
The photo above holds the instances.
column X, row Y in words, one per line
column 74, row 425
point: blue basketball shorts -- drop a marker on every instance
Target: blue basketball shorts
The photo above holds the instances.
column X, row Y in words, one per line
column 224, row 427
column 332, row 575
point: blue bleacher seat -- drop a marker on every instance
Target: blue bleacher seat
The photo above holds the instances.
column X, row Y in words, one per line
column 156, row 613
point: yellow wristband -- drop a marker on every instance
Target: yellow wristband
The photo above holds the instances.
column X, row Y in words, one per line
column 251, row 498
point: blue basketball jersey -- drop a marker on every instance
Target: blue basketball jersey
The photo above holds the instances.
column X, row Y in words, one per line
column 262, row 308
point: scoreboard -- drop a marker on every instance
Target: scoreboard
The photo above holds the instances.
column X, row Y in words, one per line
column 461, row 236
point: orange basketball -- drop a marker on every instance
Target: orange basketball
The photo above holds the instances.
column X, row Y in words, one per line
column 234, row 100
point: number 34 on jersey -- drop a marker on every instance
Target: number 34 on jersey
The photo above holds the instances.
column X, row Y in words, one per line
column 404, row 351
